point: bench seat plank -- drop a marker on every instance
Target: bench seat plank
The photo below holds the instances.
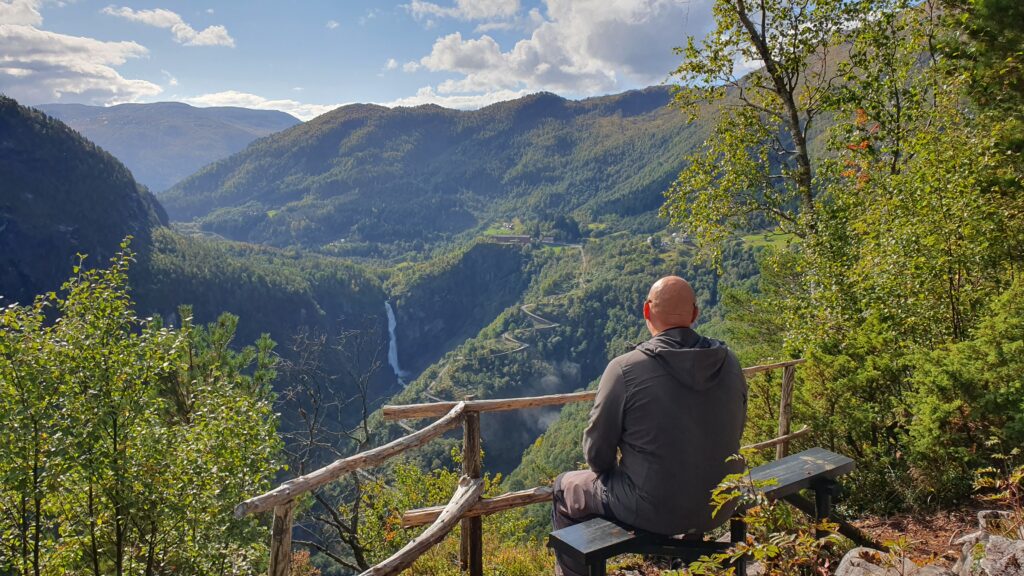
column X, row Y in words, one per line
column 597, row 539
column 602, row 538
column 799, row 471
column 596, row 534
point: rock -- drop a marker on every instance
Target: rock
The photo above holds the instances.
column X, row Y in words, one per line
column 985, row 554
column 991, row 520
column 870, row 562
column 933, row 570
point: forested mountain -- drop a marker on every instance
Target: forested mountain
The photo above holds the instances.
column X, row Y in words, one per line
column 47, row 216
column 163, row 142
column 91, row 203
column 365, row 173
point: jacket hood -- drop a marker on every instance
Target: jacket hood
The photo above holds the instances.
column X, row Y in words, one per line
column 693, row 360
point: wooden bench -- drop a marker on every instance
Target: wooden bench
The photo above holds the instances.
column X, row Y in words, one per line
column 593, row 542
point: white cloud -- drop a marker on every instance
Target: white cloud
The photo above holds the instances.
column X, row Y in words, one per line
column 171, row 80
column 368, row 15
column 39, row 66
column 298, row 109
column 489, row 26
column 182, row 32
column 20, row 12
column 465, row 9
column 410, row 66
column 391, row 64
column 580, row 47
column 453, row 54
column 332, row 24
column 428, row 95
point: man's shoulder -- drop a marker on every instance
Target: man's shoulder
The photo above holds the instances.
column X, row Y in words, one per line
column 623, row 361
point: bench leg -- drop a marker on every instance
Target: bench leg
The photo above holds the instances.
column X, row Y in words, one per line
column 823, row 503
column 737, row 534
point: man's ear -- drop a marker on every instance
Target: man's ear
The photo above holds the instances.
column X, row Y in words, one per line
column 647, row 310
column 696, row 313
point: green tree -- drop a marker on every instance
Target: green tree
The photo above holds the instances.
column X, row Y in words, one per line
column 912, row 229
column 757, row 164
column 126, row 443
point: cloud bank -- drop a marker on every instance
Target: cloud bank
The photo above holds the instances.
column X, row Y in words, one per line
column 576, row 47
column 465, row 9
column 39, row 66
column 180, row 30
column 298, row 109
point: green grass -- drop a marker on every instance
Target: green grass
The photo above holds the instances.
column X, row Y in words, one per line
column 496, row 229
column 773, row 239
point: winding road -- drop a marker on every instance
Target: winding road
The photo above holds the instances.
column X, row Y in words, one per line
column 539, row 323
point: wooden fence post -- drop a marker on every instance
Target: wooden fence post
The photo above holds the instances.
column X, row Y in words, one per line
column 471, row 553
column 281, row 540
column 785, row 409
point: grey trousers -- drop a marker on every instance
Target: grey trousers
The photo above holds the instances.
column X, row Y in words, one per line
column 576, row 497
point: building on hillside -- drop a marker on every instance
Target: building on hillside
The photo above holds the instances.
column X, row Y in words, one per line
column 510, row 239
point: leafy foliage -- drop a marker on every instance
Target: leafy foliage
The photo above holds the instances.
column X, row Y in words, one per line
column 756, row 165
column 908, row 240
column 125, row 443
column 779, row 541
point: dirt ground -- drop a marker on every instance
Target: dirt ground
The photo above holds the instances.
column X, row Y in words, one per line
column 924, row 538
column 928, row 537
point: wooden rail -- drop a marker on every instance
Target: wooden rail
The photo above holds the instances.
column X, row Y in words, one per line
column 539, row 495
column 466, row 505
column 292, row 488
column 766, row 367
column 433, row 409
column 484, row 507
column 467, row 494
column 410, row 411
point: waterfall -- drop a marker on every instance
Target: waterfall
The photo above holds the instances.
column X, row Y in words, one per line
column 393, row 346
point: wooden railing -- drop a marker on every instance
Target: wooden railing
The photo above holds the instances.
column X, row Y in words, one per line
column 467, row 505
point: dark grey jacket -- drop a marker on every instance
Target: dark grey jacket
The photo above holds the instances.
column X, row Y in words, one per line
column 675, row 407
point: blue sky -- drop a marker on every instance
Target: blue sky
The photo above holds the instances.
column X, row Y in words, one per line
column 308, row 57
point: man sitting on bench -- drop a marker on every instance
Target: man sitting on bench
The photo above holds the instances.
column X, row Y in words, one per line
column 675, row 407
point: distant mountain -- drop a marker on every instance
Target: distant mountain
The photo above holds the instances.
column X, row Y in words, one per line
column 163, row 142
column 59, row 195
column 366, row 173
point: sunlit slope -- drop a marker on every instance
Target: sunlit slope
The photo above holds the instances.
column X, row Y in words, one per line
column 365, row 173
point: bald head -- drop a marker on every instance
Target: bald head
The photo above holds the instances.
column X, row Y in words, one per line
column 671, row 303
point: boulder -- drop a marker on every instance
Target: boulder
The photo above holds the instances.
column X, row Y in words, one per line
column 870, row 562
column 985, row 554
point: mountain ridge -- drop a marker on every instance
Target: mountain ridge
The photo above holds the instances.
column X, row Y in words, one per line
column 163, row 142
column 366, row 173
column 90, row 205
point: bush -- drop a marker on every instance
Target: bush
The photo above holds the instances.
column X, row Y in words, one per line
column 124, row 444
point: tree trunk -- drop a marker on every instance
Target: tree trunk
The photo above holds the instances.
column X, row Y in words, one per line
column 787, row 95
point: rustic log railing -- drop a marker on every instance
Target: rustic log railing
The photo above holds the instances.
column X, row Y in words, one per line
column 467, row 505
